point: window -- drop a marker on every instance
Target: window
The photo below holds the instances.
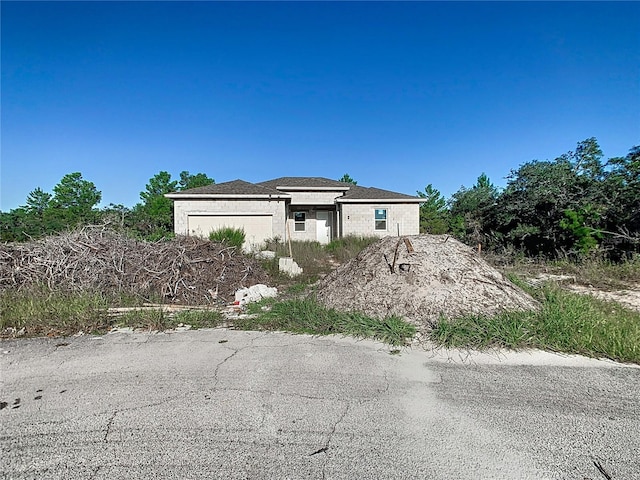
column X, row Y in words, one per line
column 381, row 219
column 299, row 221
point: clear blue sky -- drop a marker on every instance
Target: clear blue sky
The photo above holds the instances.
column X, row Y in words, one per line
column 398, row 95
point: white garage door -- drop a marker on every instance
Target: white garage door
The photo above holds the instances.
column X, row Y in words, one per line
column 257, row 228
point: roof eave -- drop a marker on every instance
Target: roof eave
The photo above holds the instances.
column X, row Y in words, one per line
column 379, row 200
column 215, row 196
column 313, row 189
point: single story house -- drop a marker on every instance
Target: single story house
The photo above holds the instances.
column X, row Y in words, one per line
column 300, row 208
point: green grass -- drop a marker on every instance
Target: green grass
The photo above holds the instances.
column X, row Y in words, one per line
column 231, row 236
column 597, row 272
column 346, row 248
column 308, row 316
column 40, row 312
column 567, row 322
column 315, row 259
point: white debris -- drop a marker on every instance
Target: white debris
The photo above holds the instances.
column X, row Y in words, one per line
column 254, row 293
column 266, row 254
column 289, row 266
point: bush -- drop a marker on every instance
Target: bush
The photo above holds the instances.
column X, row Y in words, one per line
column 346, row 248
column 229, row 235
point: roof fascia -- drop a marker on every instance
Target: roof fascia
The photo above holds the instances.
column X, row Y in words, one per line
column 311, row 189
column 379, row 200
column 214, row 196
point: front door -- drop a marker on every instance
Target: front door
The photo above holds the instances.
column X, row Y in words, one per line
column 323, row 226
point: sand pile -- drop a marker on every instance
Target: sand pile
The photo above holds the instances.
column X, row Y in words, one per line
column 420, row 278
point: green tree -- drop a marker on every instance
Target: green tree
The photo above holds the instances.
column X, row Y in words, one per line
column 548, row 206
column 621, row 187
column 73, row 203
column 471, row 211
column 346, row 178
column 188, row 180
column 158, row 185
column 38, row 201
column 434, row 215
column 154, row 217
column 74, row 192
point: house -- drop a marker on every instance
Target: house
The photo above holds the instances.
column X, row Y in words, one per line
column 300, row 208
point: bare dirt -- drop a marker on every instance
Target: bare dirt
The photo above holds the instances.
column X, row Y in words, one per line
column 428, row 277
column 183, row 270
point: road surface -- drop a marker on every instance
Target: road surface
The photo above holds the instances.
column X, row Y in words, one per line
column 261, row 405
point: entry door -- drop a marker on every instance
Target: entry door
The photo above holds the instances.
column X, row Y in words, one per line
column 323, row 226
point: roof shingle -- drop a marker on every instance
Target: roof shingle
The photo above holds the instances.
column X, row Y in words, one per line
column 313, row 182
column 234, row 187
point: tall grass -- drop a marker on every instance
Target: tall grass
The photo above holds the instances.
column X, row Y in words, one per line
column 567, row 322
column 308, row 316
column 231, row 236
column 346, row 248
column 314, row 258
column 40, row 312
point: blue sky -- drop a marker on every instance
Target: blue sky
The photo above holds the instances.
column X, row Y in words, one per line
column 398, row 95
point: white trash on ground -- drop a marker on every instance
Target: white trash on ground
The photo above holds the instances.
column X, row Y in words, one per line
column 255, row 293
column 289, row 266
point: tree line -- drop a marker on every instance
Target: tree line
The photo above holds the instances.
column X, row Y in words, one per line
column 576, row 205
column 74, row 202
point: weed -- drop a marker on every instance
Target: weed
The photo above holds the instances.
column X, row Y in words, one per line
column 346, row 248
column 42, row 312
column 567, row 322
column 315, row 259
column 308, row 316
column 39, row 312
column 228, row 235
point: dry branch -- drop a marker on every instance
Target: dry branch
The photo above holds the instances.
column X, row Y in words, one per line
column 183, row 270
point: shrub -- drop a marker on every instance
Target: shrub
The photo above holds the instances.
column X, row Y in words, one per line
column 346, row 248
column 229, row 235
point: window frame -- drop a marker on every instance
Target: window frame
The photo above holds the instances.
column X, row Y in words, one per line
column 382, row 220
column 300, row 223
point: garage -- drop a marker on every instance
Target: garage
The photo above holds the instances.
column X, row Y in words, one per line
column 257, row 227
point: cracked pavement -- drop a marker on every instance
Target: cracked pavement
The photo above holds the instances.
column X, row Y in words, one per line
column 255, row 405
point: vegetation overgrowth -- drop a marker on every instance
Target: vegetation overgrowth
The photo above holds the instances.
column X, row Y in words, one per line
column 314, row 258
column 577, row 215
column 233, row 237
column 567, row 322
column 307, row 316
column 574, row 206
column 43, row 312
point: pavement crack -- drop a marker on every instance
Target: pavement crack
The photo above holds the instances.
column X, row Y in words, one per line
column 109, row 424
column 324, row 449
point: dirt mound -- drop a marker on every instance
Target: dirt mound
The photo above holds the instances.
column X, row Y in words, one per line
column 420, row 278
column 184, row 270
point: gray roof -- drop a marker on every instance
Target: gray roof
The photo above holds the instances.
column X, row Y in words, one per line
column 313, row 182
column 371, row 193
column 235, row 187
column 240, row 187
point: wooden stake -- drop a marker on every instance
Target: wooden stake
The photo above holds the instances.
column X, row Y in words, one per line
column 289, row 238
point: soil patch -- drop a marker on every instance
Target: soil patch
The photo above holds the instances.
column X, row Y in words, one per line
column 183, row 270
column 421, row 278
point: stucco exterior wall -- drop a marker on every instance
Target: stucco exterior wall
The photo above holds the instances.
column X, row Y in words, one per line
column 183, row 208
column 311, row 224
column 313, row 198
column 359, row 219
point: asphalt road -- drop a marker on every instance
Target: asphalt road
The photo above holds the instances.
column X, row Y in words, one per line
column 227, row 404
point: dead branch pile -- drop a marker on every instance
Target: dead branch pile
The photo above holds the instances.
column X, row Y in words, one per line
column 420, row 279
column 184, row 270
